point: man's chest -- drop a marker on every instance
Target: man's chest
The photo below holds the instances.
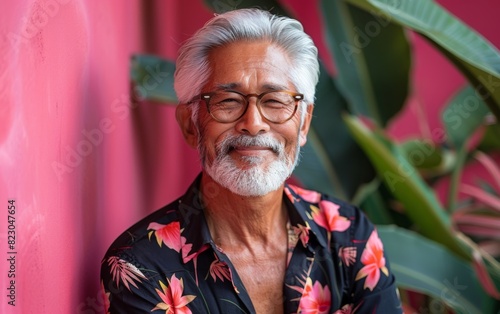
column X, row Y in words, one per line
column 263, row 280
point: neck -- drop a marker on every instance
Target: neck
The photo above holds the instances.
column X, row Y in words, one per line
column 236, row 220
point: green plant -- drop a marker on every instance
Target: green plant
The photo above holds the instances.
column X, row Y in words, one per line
column 386, row 179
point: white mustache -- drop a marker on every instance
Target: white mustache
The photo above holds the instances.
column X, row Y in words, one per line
column 230, row 142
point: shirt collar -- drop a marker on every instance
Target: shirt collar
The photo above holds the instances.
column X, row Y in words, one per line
column 194, row 226
column 298, row 202
column 195, row 230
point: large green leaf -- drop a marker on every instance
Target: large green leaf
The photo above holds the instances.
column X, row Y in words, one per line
column 373, row 201
column 469, row 51
column 423, row 154
column 332, row 161
column 153, row 79
column 425, row 266
column 491, row 138
column 463, row 115
column 372, row 56
column 404, row 182
column 432, row 160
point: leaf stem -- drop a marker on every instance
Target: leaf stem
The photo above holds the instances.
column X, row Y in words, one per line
column 455, row 178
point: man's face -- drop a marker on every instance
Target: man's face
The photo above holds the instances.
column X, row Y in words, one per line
column 250, row 156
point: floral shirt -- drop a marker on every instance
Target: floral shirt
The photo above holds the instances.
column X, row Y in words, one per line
column 169, row 263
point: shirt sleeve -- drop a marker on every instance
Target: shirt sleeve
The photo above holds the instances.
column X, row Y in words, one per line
column 124, row 287
column 373, row 284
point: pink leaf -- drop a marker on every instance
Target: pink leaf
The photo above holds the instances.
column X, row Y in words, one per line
column 490, row 165
column 475, row 139
column 482, row 196
column 480, row 231
column 491, row 247
column 486, row 221
column 484, row 276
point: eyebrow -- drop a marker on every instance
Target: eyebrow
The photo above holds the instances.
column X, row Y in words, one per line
column 266, row 87
column 227, row 86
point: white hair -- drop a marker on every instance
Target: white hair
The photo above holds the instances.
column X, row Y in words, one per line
column 192, row 67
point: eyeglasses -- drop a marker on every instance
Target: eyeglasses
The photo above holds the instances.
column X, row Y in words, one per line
column 274, row 106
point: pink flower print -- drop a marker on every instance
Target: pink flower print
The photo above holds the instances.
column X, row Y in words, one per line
column 169, row 234
column 185, row 249
column 328, row 217
column 125, row 272
column 348, row 255
column 315, row 299
column 302, row 232
column 105, row 298
column 194, row 258
column 374, row 261
column 307, row 195
column 173, row 300
column 219, row 270
column 347, row 309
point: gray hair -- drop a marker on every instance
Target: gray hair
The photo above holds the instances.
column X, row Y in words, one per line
column 192, row 67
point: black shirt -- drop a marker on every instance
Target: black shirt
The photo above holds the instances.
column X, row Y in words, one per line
column 169, row 263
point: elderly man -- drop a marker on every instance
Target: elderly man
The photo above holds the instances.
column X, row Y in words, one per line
column 241, row 240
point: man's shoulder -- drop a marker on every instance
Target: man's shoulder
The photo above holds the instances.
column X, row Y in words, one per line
column 140, row 231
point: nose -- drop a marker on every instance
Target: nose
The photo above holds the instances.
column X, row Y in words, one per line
column 252, row 122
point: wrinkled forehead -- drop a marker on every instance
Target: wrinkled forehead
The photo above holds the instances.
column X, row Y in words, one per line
column 249, row 64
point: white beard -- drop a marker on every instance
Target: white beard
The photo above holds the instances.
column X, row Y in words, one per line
column 256, row 180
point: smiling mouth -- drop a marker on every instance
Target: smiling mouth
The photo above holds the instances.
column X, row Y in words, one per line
column 249, row 146
column 251, row 150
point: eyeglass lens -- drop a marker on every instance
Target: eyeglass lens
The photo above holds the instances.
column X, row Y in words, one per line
column 230, row 106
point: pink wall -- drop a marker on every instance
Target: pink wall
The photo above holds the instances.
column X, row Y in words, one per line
column 81, row 161
column 435, row 79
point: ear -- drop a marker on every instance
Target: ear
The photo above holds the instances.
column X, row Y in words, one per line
column 305, row 126
column 183, row 117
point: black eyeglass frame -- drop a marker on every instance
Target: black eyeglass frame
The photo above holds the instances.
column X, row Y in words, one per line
column 296, row 96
